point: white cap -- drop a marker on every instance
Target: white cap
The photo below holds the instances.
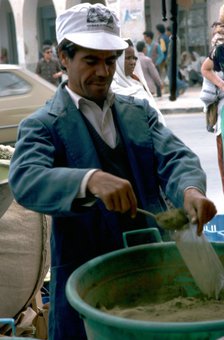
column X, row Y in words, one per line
column 91, row 26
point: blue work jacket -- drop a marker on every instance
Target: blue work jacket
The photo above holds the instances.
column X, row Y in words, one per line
column 53, row 153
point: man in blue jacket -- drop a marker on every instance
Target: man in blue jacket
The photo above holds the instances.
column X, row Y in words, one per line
column 88, row 158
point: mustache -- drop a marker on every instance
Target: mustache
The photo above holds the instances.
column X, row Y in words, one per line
column 100, row 78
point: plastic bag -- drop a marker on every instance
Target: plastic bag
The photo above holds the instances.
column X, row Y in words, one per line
column 201, row 260
column 209, row 92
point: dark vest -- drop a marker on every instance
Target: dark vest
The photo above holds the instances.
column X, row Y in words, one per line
column 115, row 162
column 112, row 160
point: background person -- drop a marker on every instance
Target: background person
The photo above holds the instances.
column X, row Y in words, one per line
column 88, row 158
column 129, row 79
column 4, row 56
column 48, row 43
column 149, row 70
column 154, row 52
column 190, row 67
column 212, row 69
column 163, row 41
column 48, row 67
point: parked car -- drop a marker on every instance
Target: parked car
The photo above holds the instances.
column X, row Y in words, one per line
column 21, row 93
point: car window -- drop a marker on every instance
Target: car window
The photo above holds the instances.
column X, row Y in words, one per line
column 11, row 84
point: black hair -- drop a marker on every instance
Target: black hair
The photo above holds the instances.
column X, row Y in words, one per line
column 46, row 47
column 130, row 43
column 70, row 49
column 160, row 28
column 149, row 34
column 169, row 29
column 217, row 23
column 140, row 46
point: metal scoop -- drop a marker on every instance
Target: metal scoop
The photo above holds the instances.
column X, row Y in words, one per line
column 174, row 219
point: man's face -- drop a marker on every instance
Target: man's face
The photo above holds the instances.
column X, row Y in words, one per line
column 90, row 73
column 147, row 39
column 48, row 54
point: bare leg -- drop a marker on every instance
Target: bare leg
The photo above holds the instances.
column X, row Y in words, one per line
column 220, row 158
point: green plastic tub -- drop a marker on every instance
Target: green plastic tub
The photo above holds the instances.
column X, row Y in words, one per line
column 141, row 272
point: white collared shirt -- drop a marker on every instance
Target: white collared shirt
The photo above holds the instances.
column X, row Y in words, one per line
column 101, row 120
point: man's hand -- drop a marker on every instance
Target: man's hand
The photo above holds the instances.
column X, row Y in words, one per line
column 57, row 75
column 116, row 193
column 199, row 208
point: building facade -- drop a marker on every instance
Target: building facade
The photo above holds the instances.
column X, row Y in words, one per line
column 25, row 24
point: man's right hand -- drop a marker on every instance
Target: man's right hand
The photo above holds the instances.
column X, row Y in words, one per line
column 116, row 193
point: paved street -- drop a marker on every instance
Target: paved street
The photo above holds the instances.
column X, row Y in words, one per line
column 191, row 129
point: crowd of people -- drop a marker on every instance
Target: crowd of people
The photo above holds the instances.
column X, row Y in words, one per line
column 159, row 53
column 154, row 52
column 97, row 151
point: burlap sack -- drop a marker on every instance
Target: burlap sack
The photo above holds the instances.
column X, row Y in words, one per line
column 41, row 324
column 24, row 258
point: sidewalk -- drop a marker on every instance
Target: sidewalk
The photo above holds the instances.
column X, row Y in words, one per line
column 189, row 102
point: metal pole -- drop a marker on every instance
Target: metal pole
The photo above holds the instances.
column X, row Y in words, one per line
column 173, row 76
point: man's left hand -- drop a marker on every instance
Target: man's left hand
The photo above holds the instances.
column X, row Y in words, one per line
column 199, row 208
